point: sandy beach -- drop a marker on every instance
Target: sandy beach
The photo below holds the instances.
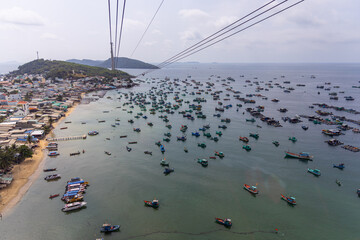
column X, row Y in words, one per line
column 26, row 173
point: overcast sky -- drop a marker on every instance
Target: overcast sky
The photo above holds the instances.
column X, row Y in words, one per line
column 313, row 31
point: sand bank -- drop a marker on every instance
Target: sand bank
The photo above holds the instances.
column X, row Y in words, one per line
column 25, row 174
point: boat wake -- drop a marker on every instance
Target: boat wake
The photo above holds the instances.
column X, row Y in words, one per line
column 200, row 233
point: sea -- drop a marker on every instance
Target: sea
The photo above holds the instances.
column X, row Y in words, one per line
column 192, row 196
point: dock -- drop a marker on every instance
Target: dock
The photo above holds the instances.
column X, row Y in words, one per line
column 66, row 138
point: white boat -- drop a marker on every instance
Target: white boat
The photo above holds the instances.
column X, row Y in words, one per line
column 73, row 206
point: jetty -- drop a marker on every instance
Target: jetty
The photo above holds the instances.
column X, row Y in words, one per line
column 66, row 138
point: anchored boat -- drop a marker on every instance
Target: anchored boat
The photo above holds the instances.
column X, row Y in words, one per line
column 226, row 222
column 302, row 155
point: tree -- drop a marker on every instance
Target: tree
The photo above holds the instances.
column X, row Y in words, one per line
column 29, row 139
column 24, row 151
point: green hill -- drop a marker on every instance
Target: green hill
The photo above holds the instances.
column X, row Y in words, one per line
column 62, row 69
column 121, row 62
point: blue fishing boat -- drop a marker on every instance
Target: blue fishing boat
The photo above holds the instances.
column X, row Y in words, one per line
column 226, row 222
column 196, row 134
column 53, row 153
column 316, row 172
column 162, row 148
column 93, row 133
column 107, row 228
column 183, row 138
column 339, row 166
column 168, row 170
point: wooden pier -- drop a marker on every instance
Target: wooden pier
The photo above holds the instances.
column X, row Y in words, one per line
column 66, row 138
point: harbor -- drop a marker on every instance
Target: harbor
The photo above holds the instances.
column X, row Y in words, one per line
column 212, row 189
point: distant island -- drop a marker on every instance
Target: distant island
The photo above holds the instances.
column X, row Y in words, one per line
column 64, row 70
column 122, row 62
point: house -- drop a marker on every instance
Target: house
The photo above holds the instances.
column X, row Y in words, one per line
column 38, row 134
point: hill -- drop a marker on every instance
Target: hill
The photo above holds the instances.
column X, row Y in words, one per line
column 62, row 69
column 122, row 62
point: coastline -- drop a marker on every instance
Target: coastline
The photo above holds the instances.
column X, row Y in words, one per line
column 27, row 172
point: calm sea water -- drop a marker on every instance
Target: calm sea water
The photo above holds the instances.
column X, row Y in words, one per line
column 192, row 196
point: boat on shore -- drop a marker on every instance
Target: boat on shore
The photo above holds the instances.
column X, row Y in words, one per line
column 73, row 206
column 52, row 177
column 54, row 195
column 154, row 203
column 251, row 189
column 107, row 228
column 302, row 155
column 53, row 154
column 226, row 222
column 289, row 200
column 49, row 169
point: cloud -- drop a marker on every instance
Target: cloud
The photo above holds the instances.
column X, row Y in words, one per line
column 190, row 35
column 191, row 13
column 49, row 36
column 224, row 21
column 21, row 16
column 150, row 43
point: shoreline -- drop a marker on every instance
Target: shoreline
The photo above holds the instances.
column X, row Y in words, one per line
column 25, row 173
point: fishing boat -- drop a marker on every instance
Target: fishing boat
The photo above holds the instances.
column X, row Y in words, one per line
column 158, row 143
column 358, row 192
column 196, row 134
column 63, row 128
column 53, row 153
column 276, row 143
column 54, row 195
column 107, row 153
column 246, row 147
column 168, row 170
column 250, row 120
column 183, row 138
column 244, row 139
column 219, row 154
column 162, row 148
column 186, row 150
column 76, row 198
column 302, row 155
column 289, row 200
column 334, row 142
column 251, row 189
column 52, row 177
column 166, row 139
column 254, row 135
column 167, row 134
column 75, row 153
column 128, row 148
column 331, row 132
column 137, row 130
column 340, row 166
column 208, row 135
column 132, row 142
column 148, row 152
column 203, row 162
column 305, row 127
column 107, row 228
column 202, row 145
column 154, row 203
column 226, row 222
column 49, row 169
column 93, row 133
column 293, row 139
column 219, row 133
column 123, row 136
column 315, row 172
column 164, row 163
column 338, row 182
column 223, row 126
column 52, row 145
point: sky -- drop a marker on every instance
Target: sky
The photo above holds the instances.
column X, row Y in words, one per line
column 313, row 31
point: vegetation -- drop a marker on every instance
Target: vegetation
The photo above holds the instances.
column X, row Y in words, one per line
column 14, row 154
column 60, row 69
column 122, row 62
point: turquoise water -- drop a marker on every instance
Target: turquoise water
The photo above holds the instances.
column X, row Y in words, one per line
column 192, row 196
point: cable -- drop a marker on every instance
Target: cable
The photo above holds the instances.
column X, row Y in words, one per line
column 187, row 53
column 110, row 22
column 116, row 26
column 148, row 28
column 122, row 22
column 219, row 31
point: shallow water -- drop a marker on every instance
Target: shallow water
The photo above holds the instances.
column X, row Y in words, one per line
column 192, row 196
